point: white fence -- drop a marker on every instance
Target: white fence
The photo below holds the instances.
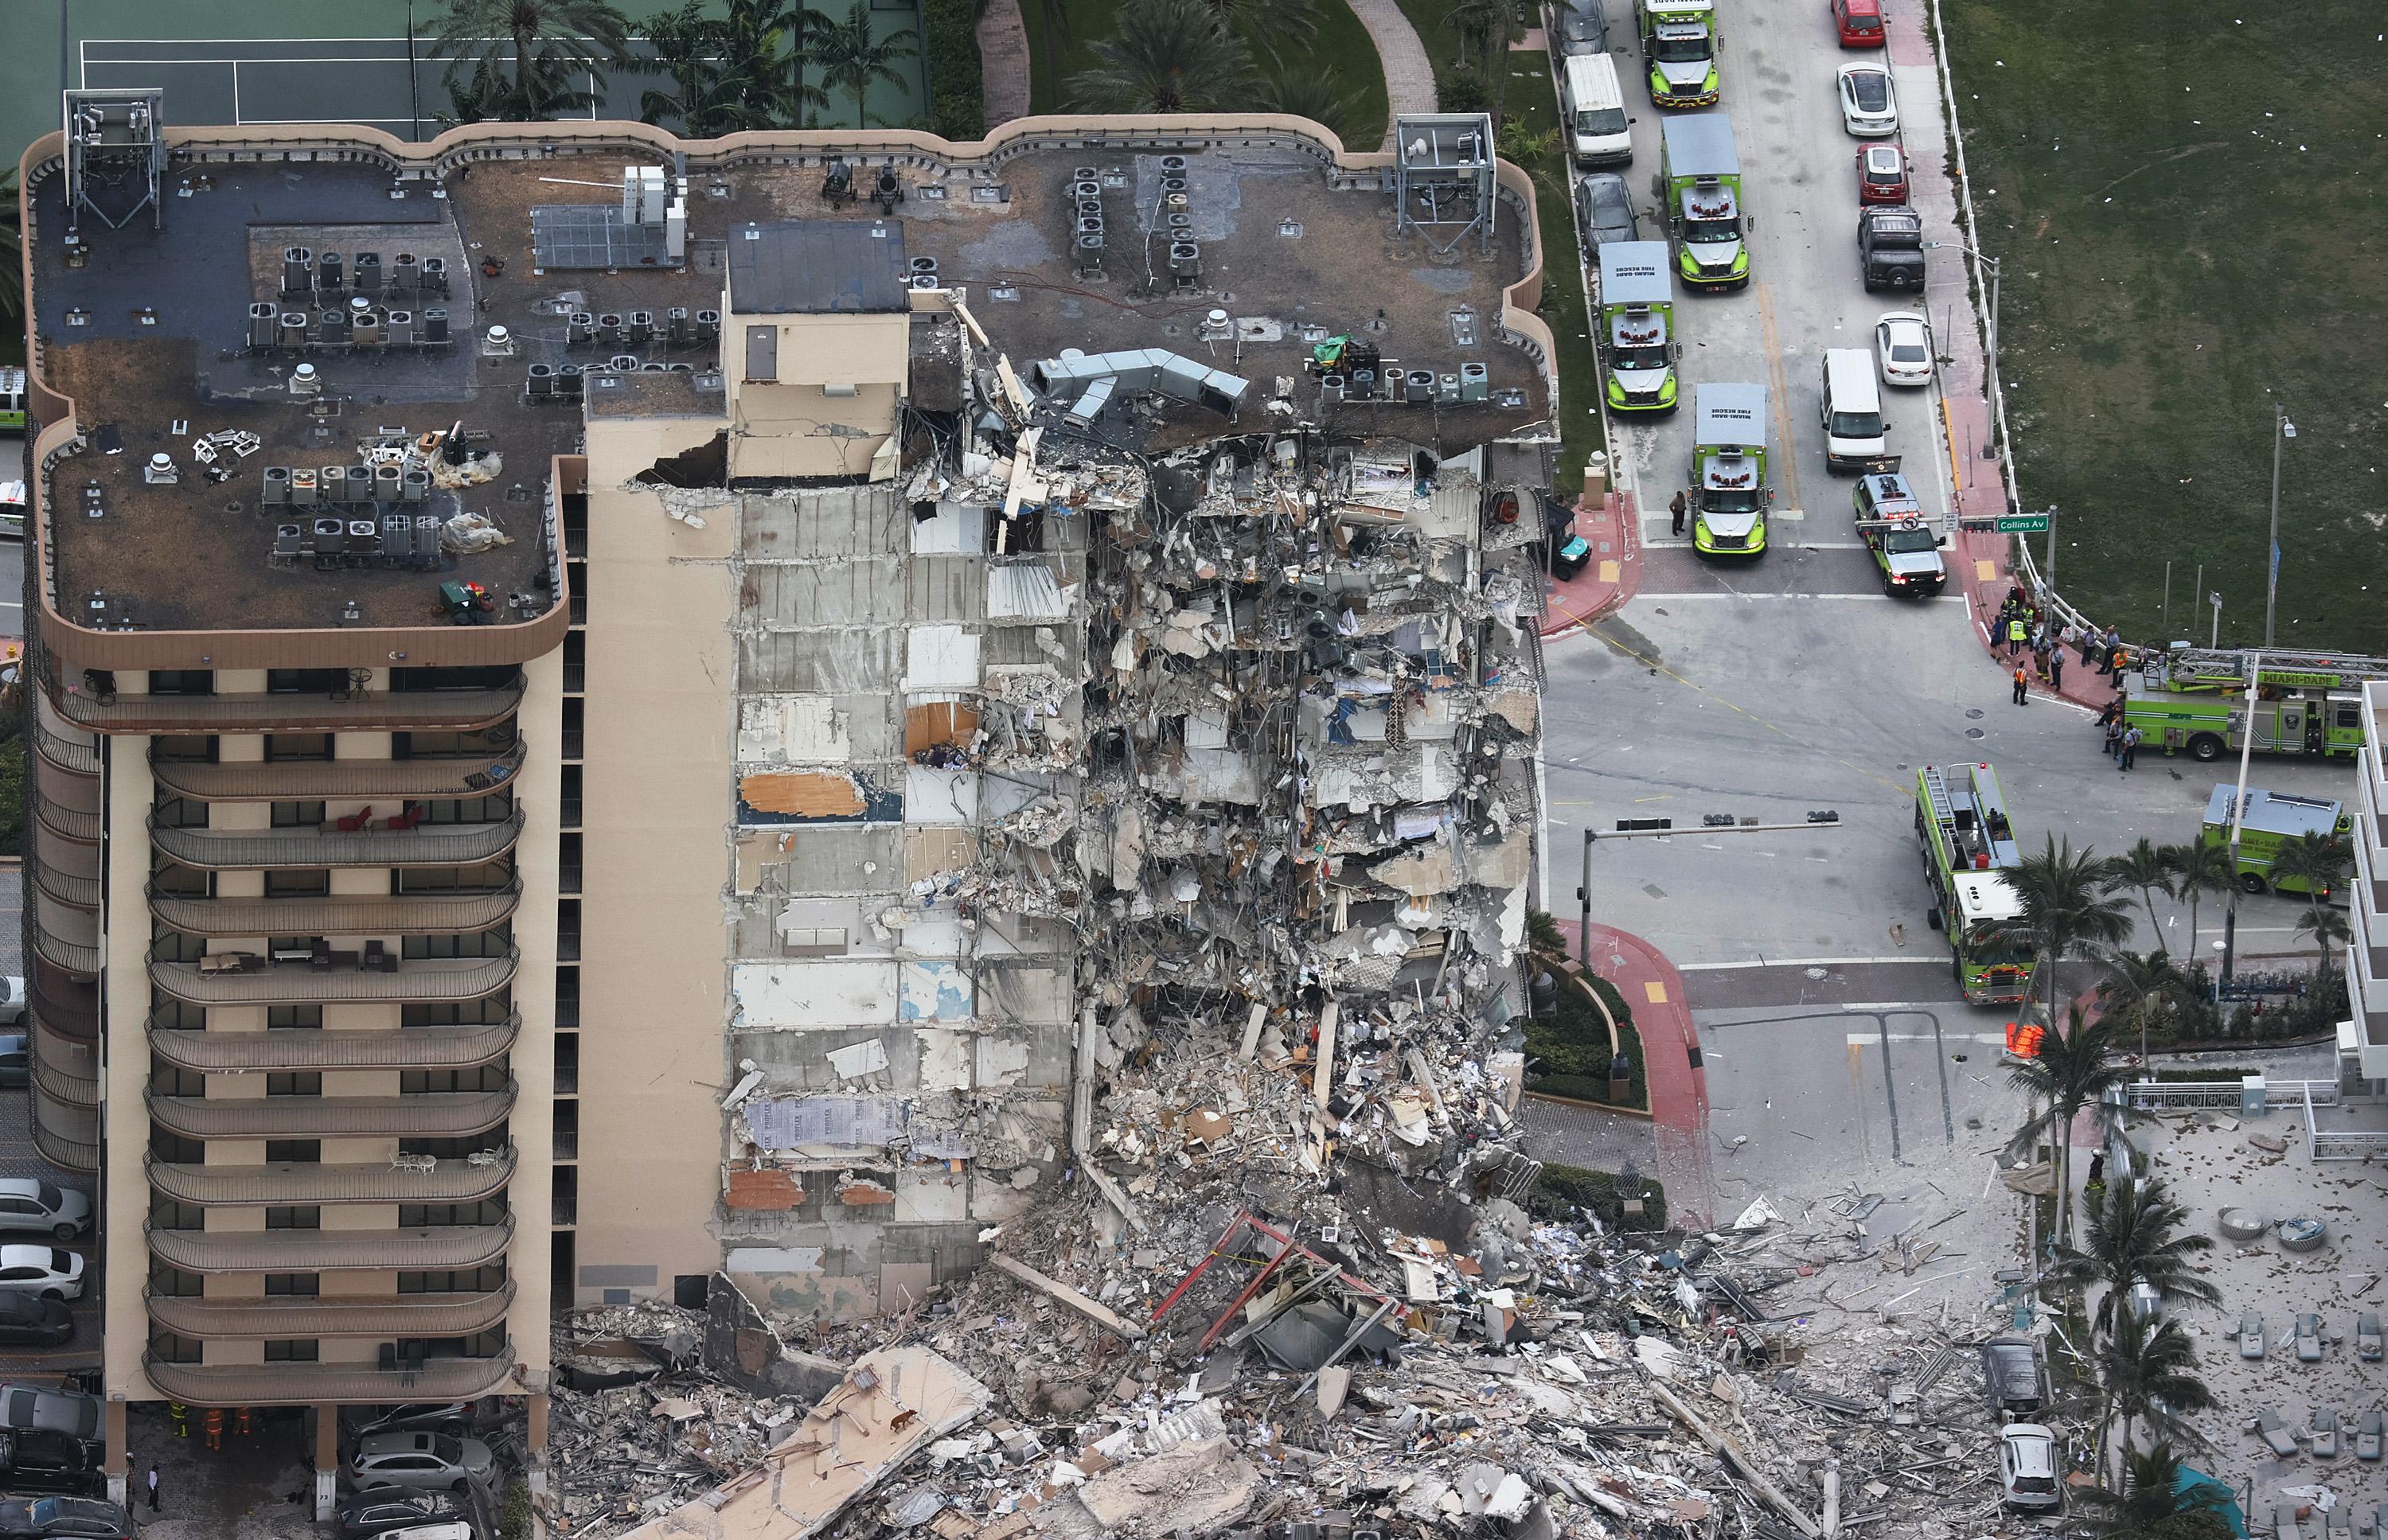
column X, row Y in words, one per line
column 2337, row 1144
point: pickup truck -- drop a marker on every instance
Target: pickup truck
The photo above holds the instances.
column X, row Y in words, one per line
column 1890, row 249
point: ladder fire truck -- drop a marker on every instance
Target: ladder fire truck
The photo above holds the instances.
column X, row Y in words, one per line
column 2195, row 699
column 1969, row 846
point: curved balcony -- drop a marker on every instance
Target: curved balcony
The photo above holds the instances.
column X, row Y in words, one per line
column 300, row 1384
column 63, row 1069
column 280, row 1183
column 337, row 780
column 67, row 823
column 438, row 1114
column 423, row 845
column 414, row 981
column 68, row 1006
column 67, row 753
column 67, row 887
column 67, row 938
column 444, row 914
column 460, row 710
column 66, row 1136
column 462, row 1315
column 406, row 1048
column 441, row 1249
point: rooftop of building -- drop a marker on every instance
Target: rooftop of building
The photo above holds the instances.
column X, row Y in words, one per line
column 150, row 333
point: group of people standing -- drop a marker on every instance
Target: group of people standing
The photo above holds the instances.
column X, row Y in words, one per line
column 2023, row 628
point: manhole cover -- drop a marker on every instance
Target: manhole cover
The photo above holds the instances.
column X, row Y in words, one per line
column 1974, row 715
column 1974, row 732
column 1817, row 973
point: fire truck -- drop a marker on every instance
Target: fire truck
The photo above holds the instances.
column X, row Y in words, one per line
column 2194, row 700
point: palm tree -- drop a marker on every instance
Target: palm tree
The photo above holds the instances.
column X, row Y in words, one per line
column 2147, row 984
column 852, row 59
column 1269, row 23
column 2152, row 1494
column 1170, row 55
column 2071, row 1073
column 2135, row 1237
column 2197, row 869
column 2330, row 931
column 2066, row 908
column 1311, row 94
column 729, row 69
column 526, row 60
column 2147, row 1370
column 2316, row 862
column 2143, row 869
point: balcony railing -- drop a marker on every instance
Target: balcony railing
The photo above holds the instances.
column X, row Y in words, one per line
column 433, row 914
column 415, row 981
column 437, row 1115
column 63, row 950
column 339, row 779
column 67, row 823
column 423, row 845
column 71, row 889
column 442, row 1248
column 461, row 711
column 80, row 759
column 69, row 1006
column 467, row 1047
column 65, row 1135
column 280, row 1183
column 301, row 1385
column 64, row 1070
column 459, row 1315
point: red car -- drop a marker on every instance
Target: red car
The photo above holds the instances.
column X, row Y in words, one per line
column 1859, row 22
column 1882, row 174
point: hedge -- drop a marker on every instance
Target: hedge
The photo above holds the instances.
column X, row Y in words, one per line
column 1561, row 1191
column 949, row 44
column 1567, row 1049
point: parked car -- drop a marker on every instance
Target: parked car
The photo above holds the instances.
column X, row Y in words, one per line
column 1859, row 22
column 12, row 1010
column 1902, row 347
column 36, row 1461
column 454, row 1418
column 64, row 1411
column 28, row 1320
column 448, row 1529
column 1580, row 29
column 1869, row 108
column 26, row 1203
column 84, row 1518
column 395, row 1509
column 1882, row 174
column 2018, row 1383
column 418, row 1460
column 43, row 1270
column 16, row 1060
column 1604, row 211
column 2028, row 1467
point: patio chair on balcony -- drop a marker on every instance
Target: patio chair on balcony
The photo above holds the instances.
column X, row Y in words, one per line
column 352, row 823
column 406, row 820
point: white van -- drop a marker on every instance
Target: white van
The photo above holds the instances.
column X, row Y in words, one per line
column 1852, row 411
column 1595, row 112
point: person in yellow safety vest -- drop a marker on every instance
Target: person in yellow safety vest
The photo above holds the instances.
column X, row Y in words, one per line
column 181, row 1415
column 2017, row 631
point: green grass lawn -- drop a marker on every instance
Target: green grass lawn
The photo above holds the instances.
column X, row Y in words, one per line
column 2188, row 200
column 1342, row 50
column 1532, row 106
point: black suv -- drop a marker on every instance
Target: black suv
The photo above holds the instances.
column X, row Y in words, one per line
column 379, row 1513
column 37, row 1461
column 1890, row 249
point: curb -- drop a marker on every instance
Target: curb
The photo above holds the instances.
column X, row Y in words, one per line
column 1643, row 1113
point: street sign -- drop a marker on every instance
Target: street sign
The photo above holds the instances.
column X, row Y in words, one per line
column 2022, row 523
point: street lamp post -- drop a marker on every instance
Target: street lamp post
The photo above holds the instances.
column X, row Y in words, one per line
column 1990, row 347
column 2282, row 430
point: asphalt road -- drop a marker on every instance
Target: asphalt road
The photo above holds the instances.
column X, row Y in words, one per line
column 18, row 1159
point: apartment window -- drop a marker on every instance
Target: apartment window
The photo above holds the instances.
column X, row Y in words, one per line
column 568, row 930
column 568, row 1131
column 174, row 946
column 298, row 746
column 565, row 1184
column 439, row 1082
column 468, row 1281
column 469, row 810
column 568, row 1064
column 315, row 882
column 165, row 1214
column 166, row 1279
column 166, row 1348
column 304, row 1218
column 178, row 881
column 298, row 815
column 167, row 1080
column 302, row 1285
column 473, row 1013
column 175, row 1150
column 178, row 813
column 567, row 999
column 410, row 680
column 488, row 740
column 295, row 1018
column 574, row 710
column 290, row 1351
column 182, row 681
column 301, row 1082
column 567, row 863
column 294, row 1152
column 479, row 944
column 183, row 749
column 575, row 657
column 568, row 798
column 455, row 1149
column 487, row 876
column 430, row 1216
column 575, row 583
column 306, row 681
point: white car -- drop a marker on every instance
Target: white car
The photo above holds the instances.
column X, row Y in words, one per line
column 1869, row 109
column 43, row 1270
column 12, row 1009
column 424, row 1460
column 1902, row 346
column 2028, row 1476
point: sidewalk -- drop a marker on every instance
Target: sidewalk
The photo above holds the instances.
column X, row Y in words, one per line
column 1612, row 577
column 1671, row 1069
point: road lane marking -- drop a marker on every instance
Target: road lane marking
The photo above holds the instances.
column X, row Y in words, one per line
column 1802, row 963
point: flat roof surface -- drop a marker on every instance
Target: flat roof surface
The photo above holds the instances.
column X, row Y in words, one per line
column 1701, row 144
column 1291, row 258
column 818, row 267
column 2268, row 813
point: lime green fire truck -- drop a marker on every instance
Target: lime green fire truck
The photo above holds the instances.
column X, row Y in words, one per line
column 1961, row 817
column 2193, row 700
column 2269, row 821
